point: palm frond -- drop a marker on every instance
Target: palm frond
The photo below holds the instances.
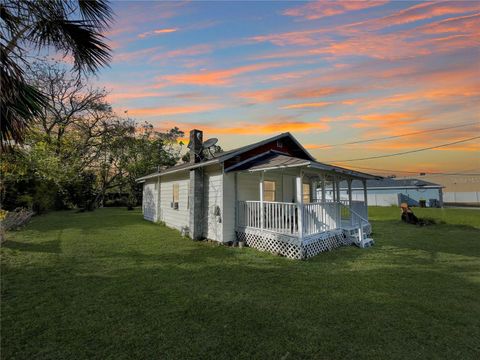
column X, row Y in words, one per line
column 86, row 45
column 20, row 103
column 69, row 26
column 98, row 12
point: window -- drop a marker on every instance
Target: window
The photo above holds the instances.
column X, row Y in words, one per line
column 175, row 196
column 306, row 193
column 269, row 190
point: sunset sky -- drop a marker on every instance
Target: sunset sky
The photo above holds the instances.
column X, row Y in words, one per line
column 329, row 72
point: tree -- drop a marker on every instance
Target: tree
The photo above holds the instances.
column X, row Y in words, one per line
column 78, row 150
column 148, row 151
column 71, row 27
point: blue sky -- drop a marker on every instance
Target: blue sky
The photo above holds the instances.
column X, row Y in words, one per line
column 328, row 72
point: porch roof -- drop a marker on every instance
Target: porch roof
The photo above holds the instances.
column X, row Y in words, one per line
column 273, row 160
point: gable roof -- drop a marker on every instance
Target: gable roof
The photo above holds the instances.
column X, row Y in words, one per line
column 305, row 158
column 226, row 155
column 391, row 183
column 276, row 160
column 232, row 153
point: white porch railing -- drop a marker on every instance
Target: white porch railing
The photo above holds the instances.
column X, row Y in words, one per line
column 277, row 216
column 319, row 217
column 354, row 213
column 283, row 218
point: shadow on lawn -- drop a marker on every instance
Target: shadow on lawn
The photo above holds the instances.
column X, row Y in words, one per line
column 97, row 220
column 166, row 296
column 231, row 309
column 52, row 246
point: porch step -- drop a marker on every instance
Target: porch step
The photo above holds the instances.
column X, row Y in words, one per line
column 365, row 243
column 352, row 233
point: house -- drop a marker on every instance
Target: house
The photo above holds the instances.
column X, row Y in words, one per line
column 390, row 191
column 263, row 194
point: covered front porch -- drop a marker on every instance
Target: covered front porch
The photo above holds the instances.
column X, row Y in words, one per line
column 294, row 208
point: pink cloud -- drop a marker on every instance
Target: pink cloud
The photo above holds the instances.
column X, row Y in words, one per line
column 134, row 55
column 157, row 32
column 217, row 77
column 188, row 51
column 307, row 105
column 319, row 9
column 291, row 92
column 174, row 110
column 422, row 11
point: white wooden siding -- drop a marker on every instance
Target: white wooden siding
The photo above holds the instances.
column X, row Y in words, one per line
column 229, row 207
column 248, row 186
column 213, row 202
column 176, row 218
column 150, row 200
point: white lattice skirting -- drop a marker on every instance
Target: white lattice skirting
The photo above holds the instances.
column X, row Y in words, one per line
column 290, row 246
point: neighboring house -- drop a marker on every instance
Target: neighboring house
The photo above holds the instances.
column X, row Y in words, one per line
column 388, row 192
column 262, row 194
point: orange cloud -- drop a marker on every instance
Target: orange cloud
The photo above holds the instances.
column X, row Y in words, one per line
column 282, row 93
column 319, row 9
column 362, row 39
column 307, row 105
column 412, row 143
column 419, row 12
column 173, row 110
column 461, row 24
column 248, row 128
column 392, row 117
column 316, row 146
column 157, row 32
column 117, row 96
column 270, row 128
column 218, row 77
column 454, row 93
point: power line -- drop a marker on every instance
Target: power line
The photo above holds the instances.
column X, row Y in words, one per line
column 397, row 136
column 408, row 152
column 416, row 172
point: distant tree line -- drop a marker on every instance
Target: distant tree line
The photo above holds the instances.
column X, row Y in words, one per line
column 62, row 144
column 78, row 152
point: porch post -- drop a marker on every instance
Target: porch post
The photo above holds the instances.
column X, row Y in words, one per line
column 299, row 198
column 349, row 182
column 159, row 215
column 365, row 197
column 338, row 190
column 237, row 210
column 334, row 189
column 313, row 191
column 262, row 217
column 323, row 188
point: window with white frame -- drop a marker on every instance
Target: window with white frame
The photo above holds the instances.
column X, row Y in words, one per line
column 306, row 193
column 269, row 190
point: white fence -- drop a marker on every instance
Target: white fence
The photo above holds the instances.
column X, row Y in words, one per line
column 472, row 197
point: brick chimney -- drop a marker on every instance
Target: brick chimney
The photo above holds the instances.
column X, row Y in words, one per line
column 196, row 195
column 195, row 145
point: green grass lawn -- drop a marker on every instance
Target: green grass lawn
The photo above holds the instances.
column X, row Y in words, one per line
column 109, row 285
